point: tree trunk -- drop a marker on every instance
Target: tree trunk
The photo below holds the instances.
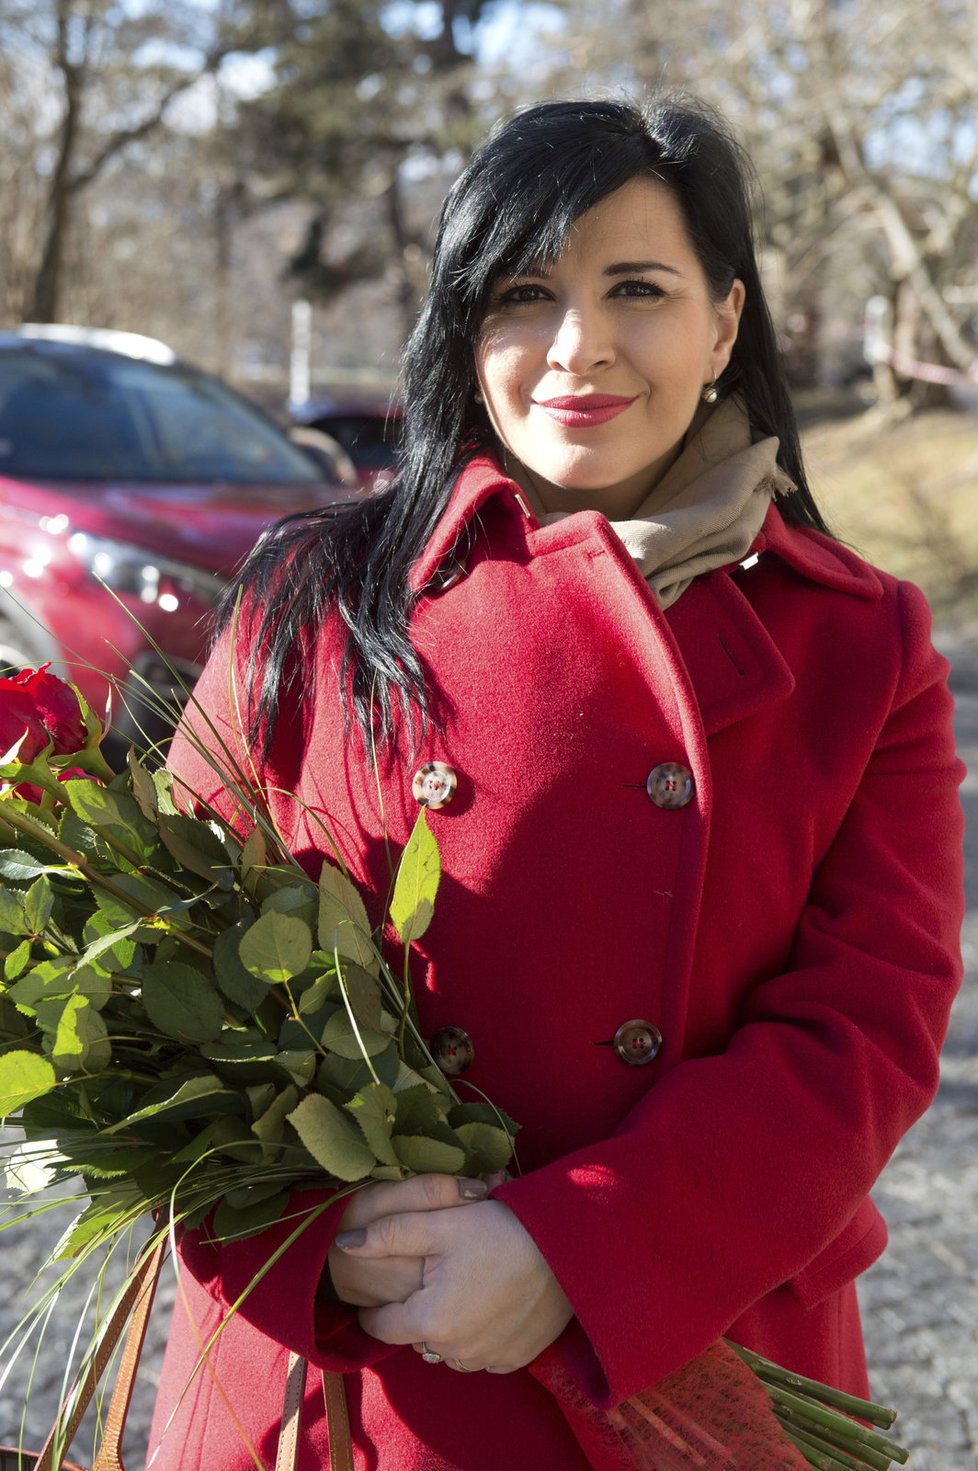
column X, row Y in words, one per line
column 46, row 297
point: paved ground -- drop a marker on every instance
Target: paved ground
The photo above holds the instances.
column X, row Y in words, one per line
column 920, row 1302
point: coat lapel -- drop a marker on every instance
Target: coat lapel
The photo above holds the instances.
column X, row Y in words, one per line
column 734, row 665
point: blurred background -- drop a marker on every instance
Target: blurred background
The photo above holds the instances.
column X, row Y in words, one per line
column 254, row 182
column 252, row 185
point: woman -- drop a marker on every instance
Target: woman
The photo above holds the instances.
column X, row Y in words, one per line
column 689, row 764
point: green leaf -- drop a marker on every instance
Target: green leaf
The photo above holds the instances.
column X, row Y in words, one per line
column 103, row 1219
column 197, row 848
column 299, row 900
column 420, row 1111
column 23, row 1076
column 363, row 994
column 147, row 895
column 488, row 1148
column 19, row 866
column 422, row 1155
column 12, row 920
column 479, row 1112
column 113, row 813
column 332, row 1138
column 81, row 1040
column 418, row 875
column 32, row 1166
column 12, row 1022
column 314, row 997
column 238, row 984
column 245, row 1061
column 143, row 787
column 232, row 1222
column 49, row 980
column 94, row 985
column 17, row 961
column 112, row 945
column 344, row 1076
column 39, row 904
column 163, row 782
column 270, row 1127
column 254, row 853
column 299, row 1063
column 338, row 1036
column 343, row 922
column 375, row 1109
column 230, row 1136
column 179, row 1001
column 190, row 1096
column 276, row 947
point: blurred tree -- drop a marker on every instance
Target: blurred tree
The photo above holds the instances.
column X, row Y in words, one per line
column 862, row 120
column 366, row 98
column 86, row 80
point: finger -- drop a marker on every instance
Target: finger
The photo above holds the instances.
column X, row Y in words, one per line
column 398, row 1322
column 415, row 1233
column 421, row 1193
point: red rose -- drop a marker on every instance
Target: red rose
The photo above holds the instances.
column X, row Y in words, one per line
column 17, row 716
column 47, row 707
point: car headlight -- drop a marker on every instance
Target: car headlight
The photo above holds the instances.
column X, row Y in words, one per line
column 153, row 579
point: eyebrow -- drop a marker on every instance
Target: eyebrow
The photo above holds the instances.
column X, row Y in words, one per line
column 632, row 267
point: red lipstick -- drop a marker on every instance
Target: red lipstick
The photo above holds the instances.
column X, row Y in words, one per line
column 582, row 410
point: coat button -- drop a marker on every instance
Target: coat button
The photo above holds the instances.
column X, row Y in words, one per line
column 637, row 1042
column 448, row 574
column 453, row 1050
column 670, row 785
column 434, row 785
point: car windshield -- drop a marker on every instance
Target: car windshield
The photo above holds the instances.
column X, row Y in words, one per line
column 94, row 416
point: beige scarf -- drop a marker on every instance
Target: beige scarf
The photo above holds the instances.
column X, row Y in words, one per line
column 708, row 507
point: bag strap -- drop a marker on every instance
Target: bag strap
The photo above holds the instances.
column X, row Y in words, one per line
column 337, row 1422
column 337, row 1418
column 137, row 1299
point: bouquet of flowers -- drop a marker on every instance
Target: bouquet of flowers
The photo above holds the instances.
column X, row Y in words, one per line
column 191, row 1026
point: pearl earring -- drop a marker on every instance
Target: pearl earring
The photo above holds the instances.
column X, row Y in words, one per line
column 709, row 394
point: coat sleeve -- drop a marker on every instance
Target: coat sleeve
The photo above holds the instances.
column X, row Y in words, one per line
column 737, row 1170
column 287, row 1303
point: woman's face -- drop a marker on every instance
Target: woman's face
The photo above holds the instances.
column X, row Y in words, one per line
column 592, row 370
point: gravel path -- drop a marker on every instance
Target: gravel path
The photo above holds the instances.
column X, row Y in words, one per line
column 920, row 1302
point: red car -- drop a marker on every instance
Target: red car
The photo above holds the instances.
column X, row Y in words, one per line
column 131, row 486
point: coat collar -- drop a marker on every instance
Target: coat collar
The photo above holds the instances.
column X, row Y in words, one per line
column 811, row 554
column 732, row 661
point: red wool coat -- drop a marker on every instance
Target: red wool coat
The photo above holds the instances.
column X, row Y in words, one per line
column 791, row 931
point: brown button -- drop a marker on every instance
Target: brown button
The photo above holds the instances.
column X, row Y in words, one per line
column 434, row 785
column 670, row 785
column 447, row 575
column 637, row 1042
column 452, row 1049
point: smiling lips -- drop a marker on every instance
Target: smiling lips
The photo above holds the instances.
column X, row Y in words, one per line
column 582, row 411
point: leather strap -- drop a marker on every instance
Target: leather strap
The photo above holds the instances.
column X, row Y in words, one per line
column 337, row 1422
column 138, row 1295
column 138, row 1300
column 288, row 1440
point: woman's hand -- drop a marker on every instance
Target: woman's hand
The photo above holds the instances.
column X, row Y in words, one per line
column 487, row 1299
column 365, row 1281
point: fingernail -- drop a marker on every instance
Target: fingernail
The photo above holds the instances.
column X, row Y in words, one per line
column 350, row 1238
column 472, row 1189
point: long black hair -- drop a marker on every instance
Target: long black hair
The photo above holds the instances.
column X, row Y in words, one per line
column 512, row 206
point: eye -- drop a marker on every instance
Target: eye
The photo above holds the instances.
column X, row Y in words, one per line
column 524, row 293
column 638, row 288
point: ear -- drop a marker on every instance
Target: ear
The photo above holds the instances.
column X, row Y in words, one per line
column 727, row 314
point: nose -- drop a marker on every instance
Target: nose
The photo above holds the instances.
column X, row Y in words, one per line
column 581, row 342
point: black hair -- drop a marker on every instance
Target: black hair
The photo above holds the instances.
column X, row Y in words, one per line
column 513, row 206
